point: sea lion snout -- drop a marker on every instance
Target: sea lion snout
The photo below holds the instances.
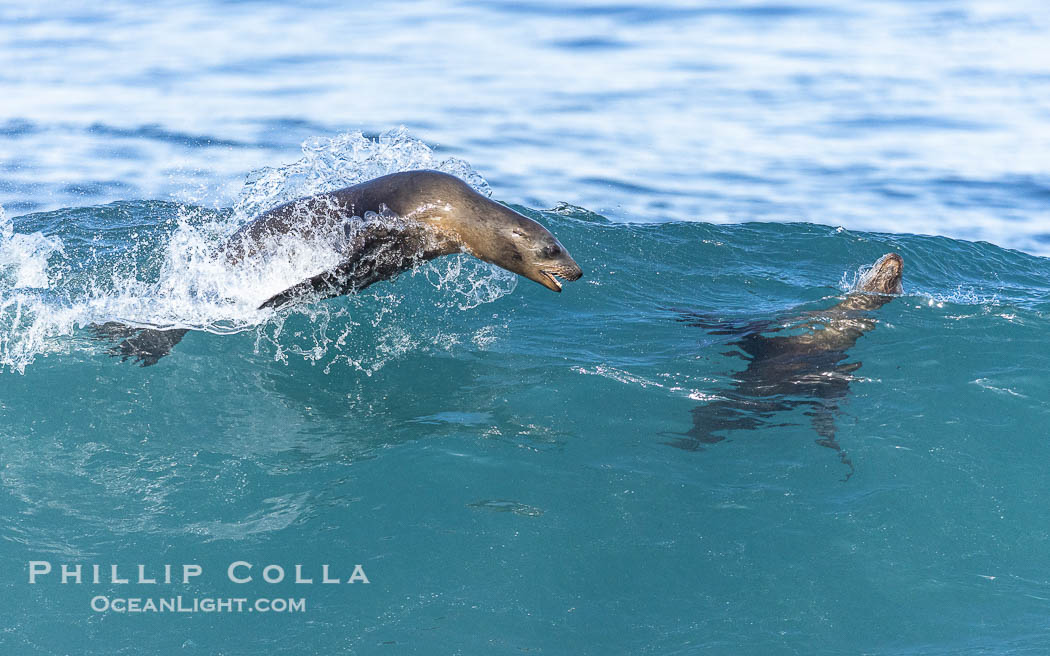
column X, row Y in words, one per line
column 549, row 278
column 566, row 269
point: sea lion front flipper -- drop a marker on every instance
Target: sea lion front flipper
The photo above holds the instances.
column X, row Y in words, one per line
column 311, row 287
column 336, row 282
column 146, row 346
column 822, row 416
column 149, row 346
column 719, row 326
column 112, row 331
column 379, row 254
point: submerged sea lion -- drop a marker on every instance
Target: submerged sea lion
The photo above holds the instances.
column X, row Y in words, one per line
column 383, row 227
column 804, row 369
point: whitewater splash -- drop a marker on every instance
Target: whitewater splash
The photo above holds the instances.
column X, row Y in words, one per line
column 960, row 295
column 24, row 257
column 169, row 273
column 343, row 161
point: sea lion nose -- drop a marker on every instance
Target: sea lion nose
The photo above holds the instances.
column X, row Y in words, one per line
column 573, row 271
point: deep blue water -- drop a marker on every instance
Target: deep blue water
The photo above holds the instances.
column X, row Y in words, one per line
column 505, row 463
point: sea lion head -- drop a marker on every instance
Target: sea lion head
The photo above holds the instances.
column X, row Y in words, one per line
column 492, row 232
column 884, row 277
column 530, row 250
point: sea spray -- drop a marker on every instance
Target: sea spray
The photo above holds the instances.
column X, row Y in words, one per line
column 342, row 161
column 23, row 257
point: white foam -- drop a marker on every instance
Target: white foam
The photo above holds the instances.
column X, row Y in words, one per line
column 23, row 257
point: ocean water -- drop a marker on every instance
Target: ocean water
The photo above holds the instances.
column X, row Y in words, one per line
column 517, row 471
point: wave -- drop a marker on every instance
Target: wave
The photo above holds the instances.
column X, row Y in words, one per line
column 155, row 264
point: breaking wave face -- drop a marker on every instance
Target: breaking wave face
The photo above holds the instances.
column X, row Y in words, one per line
column 158, row 264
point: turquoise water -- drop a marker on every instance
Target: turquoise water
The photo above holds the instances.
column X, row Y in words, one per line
column 501, row 460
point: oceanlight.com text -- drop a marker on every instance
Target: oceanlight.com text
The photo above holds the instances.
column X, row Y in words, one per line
column 180, row 604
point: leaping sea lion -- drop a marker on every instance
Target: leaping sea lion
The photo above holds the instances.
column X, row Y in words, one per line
column 804, row 369
column 418, row 216
column 383, row 227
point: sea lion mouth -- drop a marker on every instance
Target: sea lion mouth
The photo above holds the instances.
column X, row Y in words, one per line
column 550, row 278
column 550, row 281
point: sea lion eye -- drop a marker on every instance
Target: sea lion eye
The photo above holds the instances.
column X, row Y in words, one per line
column 550, row 251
